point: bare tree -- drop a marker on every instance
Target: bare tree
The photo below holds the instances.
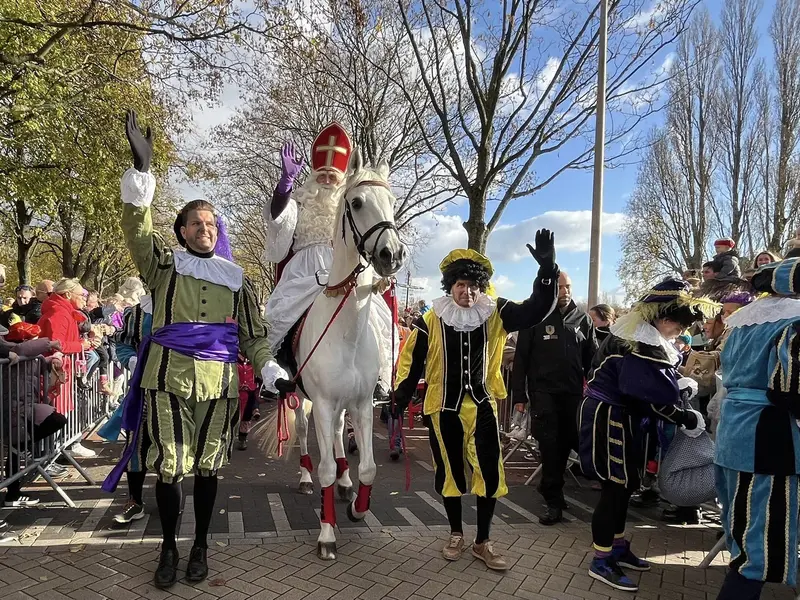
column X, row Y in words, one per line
column 670, row 211
column 521, row 86
column 740, row 142
column 785, row 33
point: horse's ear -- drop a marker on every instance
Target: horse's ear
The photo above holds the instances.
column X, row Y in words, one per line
column 356, row 161
column 383, row 168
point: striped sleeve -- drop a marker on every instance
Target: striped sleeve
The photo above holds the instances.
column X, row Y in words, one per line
column 252, row 331
column 411, row 366
column 783, row 389
column 126, row 338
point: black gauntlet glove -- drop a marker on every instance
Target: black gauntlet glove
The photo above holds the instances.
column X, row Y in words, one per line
column 285, row 387
column 141, row 145
column 545, row 251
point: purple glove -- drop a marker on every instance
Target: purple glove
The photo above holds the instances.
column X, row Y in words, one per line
column 291, row 165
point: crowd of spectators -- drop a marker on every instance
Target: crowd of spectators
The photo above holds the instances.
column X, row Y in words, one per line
column 76, row 333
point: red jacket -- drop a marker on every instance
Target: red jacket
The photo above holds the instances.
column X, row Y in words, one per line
column 59, row 322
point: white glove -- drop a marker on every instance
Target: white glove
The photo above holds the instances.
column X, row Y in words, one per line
column 687, row 383
column 697, row 431
column 132, row 363
column 271, row 372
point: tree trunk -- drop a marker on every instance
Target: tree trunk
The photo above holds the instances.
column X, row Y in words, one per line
column 477, row 234
column 23, row 261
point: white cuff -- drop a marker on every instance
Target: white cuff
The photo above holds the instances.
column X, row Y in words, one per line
column 137, row 188
column 685, row 383
column 271, row 372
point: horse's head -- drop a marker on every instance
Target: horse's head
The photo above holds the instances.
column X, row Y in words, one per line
column 368, row 211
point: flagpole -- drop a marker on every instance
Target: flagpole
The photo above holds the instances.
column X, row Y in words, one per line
column 599, row 156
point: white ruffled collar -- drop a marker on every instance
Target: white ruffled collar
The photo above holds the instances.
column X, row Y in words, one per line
column 644, row 333
column 464, row 319
column 769, row 309
column 215, row 270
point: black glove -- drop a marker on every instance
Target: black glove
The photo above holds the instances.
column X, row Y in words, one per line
column 141, row 145
column 690, row 420
column 284, row 386
column 545, row 251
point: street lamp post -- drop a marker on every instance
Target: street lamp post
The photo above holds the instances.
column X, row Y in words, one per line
column 599, row 156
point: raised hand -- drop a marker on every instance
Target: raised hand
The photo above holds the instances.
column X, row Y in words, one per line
column 545, row 251
column 141, row 145
column 291, row 162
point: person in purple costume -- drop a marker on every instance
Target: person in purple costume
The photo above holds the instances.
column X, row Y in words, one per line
column 634, row 377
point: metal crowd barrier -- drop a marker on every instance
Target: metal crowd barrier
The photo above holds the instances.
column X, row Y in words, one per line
column 28, row 383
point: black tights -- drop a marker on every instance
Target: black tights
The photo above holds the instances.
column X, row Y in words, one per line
column 452, row 507
column 136, row 485
column 610, row 514
column 168, row 497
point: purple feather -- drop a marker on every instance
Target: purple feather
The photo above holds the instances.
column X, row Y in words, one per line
column 223, row 247
column 743, row 298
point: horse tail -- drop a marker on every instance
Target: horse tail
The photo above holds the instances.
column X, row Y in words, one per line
column 266, row 438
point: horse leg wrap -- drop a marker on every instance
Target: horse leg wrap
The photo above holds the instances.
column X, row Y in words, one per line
column 341, row 467
column 305, row 462
column 328, row 513
column 362, row 499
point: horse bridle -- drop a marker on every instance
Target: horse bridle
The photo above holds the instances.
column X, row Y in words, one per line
column 360, row 239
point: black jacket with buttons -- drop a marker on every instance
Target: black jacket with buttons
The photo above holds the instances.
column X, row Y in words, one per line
column 555, row 356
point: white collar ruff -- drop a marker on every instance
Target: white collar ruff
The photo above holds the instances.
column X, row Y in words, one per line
column 464, row 319
column 645, row 333
column 215, row 270
column 765, row 310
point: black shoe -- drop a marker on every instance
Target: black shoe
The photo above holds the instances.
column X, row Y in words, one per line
column 167, row 572
column 682, row 515
column 646, row 498
column 394, row 454
column 197, row 569
column 551, row 516
column 241, row 444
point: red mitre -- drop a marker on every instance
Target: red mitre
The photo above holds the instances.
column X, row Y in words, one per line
column 331, row 150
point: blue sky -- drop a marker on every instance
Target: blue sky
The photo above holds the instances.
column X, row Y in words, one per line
column 572, row 191
column 557, row 206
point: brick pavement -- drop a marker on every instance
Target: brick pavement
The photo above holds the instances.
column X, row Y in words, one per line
column 263, row 543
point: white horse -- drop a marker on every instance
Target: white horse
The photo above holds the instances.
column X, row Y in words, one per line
column 343, row 370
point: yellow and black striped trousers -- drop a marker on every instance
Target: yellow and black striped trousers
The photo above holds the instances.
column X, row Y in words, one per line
column 187, row 435
column 469, row 437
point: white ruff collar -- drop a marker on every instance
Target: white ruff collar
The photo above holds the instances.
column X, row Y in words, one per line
column 765, row 310
column 146, row 304
column 644, row 333
column 214, row 270
column 464, row 319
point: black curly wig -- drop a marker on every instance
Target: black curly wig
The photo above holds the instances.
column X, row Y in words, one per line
column 683, row 314
column 464, row 269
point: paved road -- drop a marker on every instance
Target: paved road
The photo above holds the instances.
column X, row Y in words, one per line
column 263, row 540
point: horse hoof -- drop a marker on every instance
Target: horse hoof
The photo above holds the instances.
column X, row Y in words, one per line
column 345, row 492
column 326, row 550
column 306, row 488
column 352, row 515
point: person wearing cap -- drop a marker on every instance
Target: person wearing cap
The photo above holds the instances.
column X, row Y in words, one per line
column 726, row 262
column 635, row 376
column 458, row 346
column 300, row 222
column 758, row 438
column 204, row 313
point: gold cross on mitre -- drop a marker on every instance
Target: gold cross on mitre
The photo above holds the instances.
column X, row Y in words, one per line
column 331, row 149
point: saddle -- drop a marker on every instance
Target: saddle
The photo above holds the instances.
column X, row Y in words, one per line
column 288, row 349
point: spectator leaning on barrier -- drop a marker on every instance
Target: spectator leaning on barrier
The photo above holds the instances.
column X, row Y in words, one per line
column 550, row 367
column 45, row 421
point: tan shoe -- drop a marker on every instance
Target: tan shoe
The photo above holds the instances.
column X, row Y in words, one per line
column 454, row 548
column 487, row 554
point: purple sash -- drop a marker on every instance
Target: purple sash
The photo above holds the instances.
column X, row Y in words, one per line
column 217, row 342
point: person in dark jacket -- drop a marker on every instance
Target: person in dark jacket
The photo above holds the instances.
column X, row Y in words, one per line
column 550, row 366
column 603, row 317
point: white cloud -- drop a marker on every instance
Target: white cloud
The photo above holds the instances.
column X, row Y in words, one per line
column 571, row 229
column 443, row 233
column 650, row 16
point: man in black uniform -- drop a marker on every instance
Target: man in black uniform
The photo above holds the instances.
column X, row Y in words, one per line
column 551, row 363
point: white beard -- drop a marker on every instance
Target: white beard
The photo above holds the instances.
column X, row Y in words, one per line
column 316, row 217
